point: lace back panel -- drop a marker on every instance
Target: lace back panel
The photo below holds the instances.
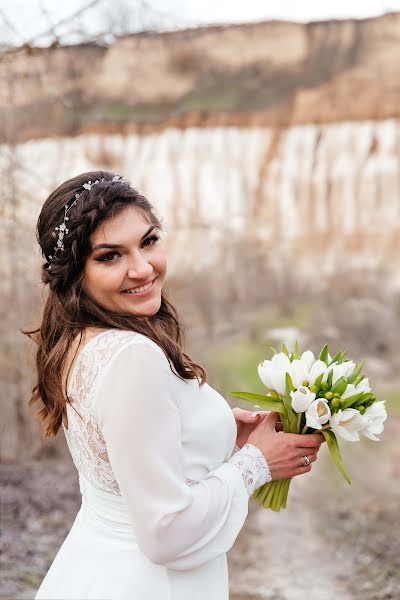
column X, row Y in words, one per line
column 84, row 438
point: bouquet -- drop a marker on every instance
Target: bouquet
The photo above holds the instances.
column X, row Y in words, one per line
column 327, row 395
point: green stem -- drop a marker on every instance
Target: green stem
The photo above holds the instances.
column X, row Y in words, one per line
column 285, row 422
column 304, row 429
column 269, row 495
column 281, row 495
column 275, row 506
column 262, row 493
column 298, row 423
column 285, row 497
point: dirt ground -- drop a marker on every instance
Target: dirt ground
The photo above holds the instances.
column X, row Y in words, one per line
column 334, row 541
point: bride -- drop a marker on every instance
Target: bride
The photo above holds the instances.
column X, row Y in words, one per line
column 166, row 468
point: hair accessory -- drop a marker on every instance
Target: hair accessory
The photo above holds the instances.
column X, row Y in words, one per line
column 62, row 229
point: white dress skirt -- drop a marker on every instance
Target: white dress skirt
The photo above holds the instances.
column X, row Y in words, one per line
column 165, row 492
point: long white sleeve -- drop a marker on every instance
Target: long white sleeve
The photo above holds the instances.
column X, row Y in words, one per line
column 253, row 466
column 177, row 525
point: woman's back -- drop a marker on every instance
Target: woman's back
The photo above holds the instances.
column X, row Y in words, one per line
column 84, row 437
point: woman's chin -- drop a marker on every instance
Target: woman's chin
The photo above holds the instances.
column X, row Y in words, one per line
column 145, row 309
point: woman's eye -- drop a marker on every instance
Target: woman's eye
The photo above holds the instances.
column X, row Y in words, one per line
column 107, row 257
column 152, row 238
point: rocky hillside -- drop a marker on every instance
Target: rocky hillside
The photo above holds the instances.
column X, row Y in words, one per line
column 273, row 73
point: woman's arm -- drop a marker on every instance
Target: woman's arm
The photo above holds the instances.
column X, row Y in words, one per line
column 177, row 525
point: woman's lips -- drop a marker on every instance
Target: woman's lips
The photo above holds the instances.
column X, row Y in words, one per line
column 140, row 294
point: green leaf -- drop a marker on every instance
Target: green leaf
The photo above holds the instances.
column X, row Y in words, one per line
column 339, row 386
column 266, row 402
column 363, row 399
column 333, row 448
column 359, row 378
column 285, row 350
column 296, row 350
column 287, row 402
column 348, row 402
column 335, row 358
column 356, row 372
column 289, row 385
column 324, row 354
column 366, row 396
column 341, row 359
column 329, row 380
column 273, row 350
column 318, row 381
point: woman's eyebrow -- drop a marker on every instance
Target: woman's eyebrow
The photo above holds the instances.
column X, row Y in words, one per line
column 100, row 246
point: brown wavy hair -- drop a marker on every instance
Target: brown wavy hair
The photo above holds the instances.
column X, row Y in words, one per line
column 68, row 310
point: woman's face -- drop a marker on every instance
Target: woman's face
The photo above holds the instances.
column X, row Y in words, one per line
column 127, row 254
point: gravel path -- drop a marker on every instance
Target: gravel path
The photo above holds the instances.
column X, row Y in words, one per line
column 334, row 541
column 282, row 556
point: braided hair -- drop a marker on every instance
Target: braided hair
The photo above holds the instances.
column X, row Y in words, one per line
column 68, row 310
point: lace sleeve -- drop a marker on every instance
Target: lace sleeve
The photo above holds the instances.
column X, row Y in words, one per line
column 253, row 466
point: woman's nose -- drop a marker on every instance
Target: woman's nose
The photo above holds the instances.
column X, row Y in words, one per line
column 140, row 268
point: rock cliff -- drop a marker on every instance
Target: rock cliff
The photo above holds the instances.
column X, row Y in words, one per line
column 272, row 73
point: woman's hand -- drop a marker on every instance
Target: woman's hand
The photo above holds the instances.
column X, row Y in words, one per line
column 284, row 452
column 246, row 423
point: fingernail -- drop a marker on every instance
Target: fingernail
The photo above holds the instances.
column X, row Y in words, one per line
column 254, row 414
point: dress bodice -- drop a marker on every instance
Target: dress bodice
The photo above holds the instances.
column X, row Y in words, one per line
column 208, row 428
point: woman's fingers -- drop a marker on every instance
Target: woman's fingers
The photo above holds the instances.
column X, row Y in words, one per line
column 306, row 451
column 311, row 457
column 302, row 468
column 312, row 440
column 247, row 416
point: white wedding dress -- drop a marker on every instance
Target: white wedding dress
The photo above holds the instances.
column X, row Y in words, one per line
column 164, row 493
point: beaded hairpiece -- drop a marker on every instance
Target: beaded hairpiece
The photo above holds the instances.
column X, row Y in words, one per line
column 62, row 229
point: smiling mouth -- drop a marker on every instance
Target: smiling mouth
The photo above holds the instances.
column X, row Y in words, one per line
column 139, row 290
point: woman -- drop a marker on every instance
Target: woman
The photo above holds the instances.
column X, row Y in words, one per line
column 164, row 495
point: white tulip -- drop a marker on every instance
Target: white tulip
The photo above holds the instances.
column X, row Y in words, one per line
column 272, row 377
column 264, row 371
column 352, row 389
column 273, row 372
column 280, row 361
column 363, row 386
column 298, row 372
column 317, row 414
column 308, row 358
column 373, row 420
column 279, row 381
column 301, row 399
column 347, row 423
column 318, row 367
column 344, row 369
column 349, row 391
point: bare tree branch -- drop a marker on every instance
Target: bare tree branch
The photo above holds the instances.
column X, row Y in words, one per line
column 10, row 25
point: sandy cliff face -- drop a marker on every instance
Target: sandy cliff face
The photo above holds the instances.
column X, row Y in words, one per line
column 228, row 129
column 264, row 74
column 312, row 203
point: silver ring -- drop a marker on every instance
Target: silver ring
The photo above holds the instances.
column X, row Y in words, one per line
column 306, row 461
